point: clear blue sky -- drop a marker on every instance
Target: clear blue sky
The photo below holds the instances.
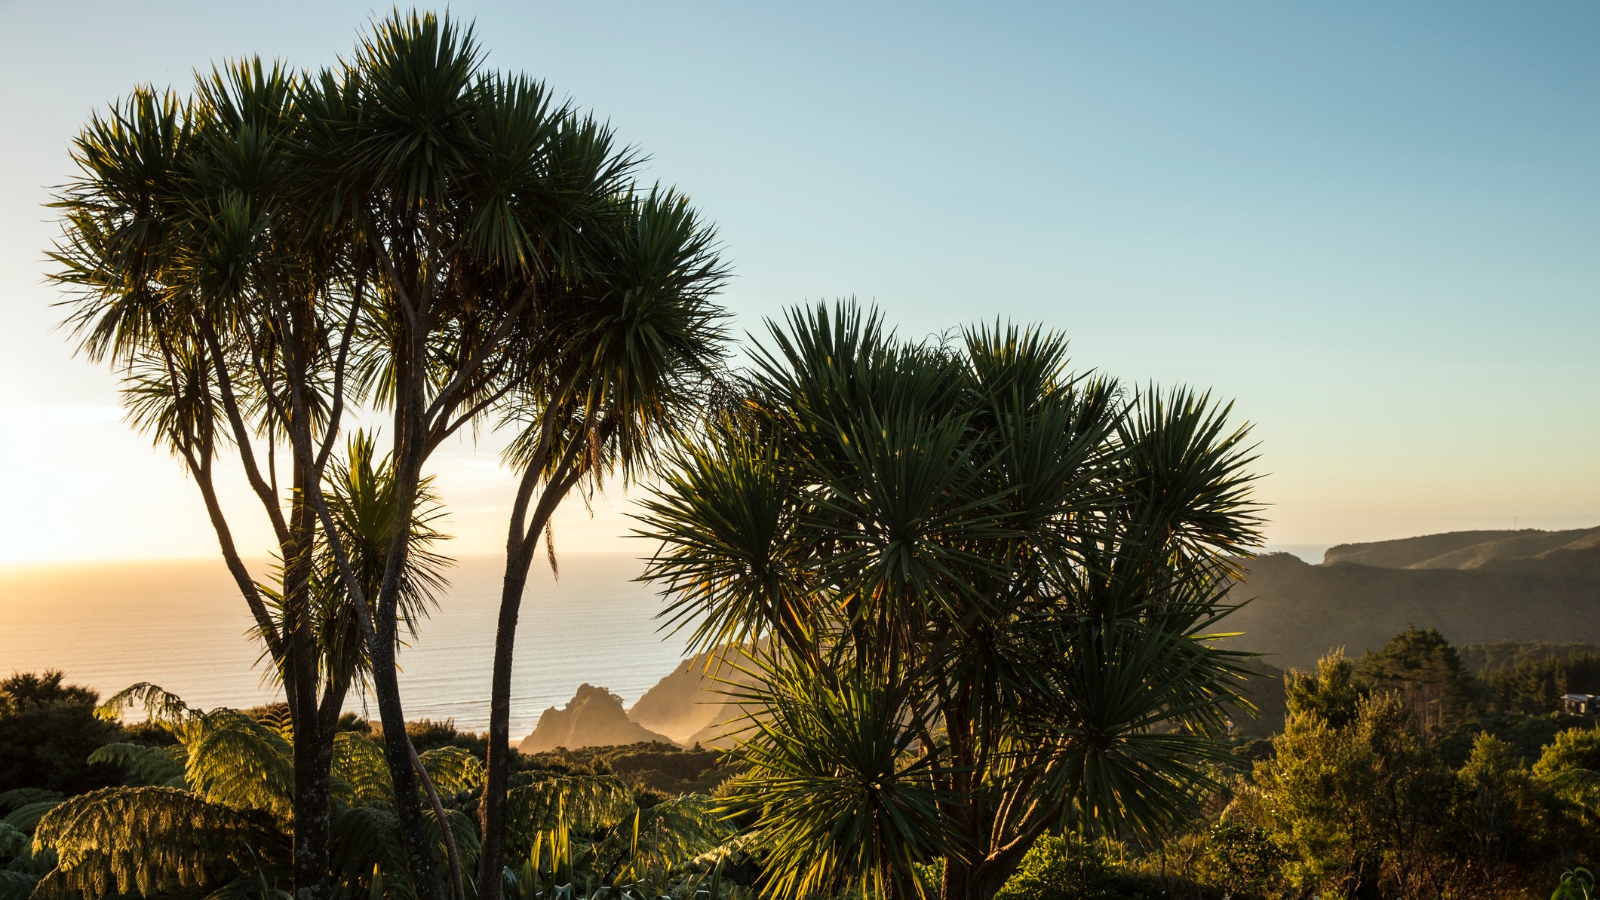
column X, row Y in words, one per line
column 1376, row 227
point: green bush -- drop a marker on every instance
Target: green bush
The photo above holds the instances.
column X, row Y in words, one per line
column 1058, row 868
column 47, row 731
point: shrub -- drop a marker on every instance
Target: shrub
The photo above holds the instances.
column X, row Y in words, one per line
column 47, row 731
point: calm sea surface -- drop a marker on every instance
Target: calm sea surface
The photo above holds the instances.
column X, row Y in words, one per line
column 183, row 625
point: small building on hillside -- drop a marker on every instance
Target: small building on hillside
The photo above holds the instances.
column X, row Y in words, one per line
column 1579, row 704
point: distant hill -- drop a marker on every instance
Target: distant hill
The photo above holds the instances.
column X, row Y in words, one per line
column 593, row 718
column 1299, row 611
column 1463, row 549
column 1512, row 595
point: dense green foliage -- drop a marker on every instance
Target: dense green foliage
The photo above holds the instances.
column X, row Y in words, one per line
column 1535, row 686
column 212, row 812
column 47, row 731
column 1425, row 671
column 1357, row 797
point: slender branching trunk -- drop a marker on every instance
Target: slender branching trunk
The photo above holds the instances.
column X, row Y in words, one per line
column 491, row 853
column 408, row 456
column 521, row 542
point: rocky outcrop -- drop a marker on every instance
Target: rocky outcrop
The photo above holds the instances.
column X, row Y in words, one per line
column 690, row 704
column 592, row 718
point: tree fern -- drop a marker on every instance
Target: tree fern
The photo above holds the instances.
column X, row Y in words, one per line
column 145, row 766
column 368, row 853
column 219, row 815
column 586, row 802
column 360, row 771
column 465, row 832
column 16, row 885
column 149, row 839
column 547, row 811
column 1580, row 787
column 26, row 818
column 161, row 706
column 17, row 797
column 239, row 762
column 453, row 769
column 13, row 841
column 670, row 836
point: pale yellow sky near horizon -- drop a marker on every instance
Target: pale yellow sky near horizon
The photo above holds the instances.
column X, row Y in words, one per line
column 98, row 491
column 1374, row 228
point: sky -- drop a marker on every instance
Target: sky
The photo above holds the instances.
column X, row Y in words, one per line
column 1374, row 227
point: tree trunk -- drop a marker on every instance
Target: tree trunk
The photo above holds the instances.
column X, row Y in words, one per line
column 409, row 456
column 957, row 880
column 313, row 761
column 312, row 743
column 397, row 752
column 491, row 859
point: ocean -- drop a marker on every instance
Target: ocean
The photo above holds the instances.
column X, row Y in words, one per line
column 182, row 625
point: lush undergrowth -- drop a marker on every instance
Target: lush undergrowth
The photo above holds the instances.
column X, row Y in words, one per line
column 1396, row 775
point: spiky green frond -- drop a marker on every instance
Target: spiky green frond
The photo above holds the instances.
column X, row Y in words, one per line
column 1030, row 561
column 151, row 839
column 844, row 804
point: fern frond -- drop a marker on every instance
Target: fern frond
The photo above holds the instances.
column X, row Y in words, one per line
column 673, row 834
column 18, row 797
column 366, row 841
column 586, row 802
column 26, row 818
column 465, row 830
column 732, row 851
column 360, row 770
column 16, row 885
column 149, row 839
column 576, row 803
column 161, row 706
column 161, row 766
column 1577, row 786
column 13, row 841
column 241, row 763
column 453, row 769
column 250, row 886
column 54, row 885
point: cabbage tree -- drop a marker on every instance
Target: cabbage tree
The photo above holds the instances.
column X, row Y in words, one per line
column 989, row 585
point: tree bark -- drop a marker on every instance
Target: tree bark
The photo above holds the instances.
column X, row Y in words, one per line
column 397, row 752
column 408, row 459
column 313, row 759
column 522, row 541
column 491, row 858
